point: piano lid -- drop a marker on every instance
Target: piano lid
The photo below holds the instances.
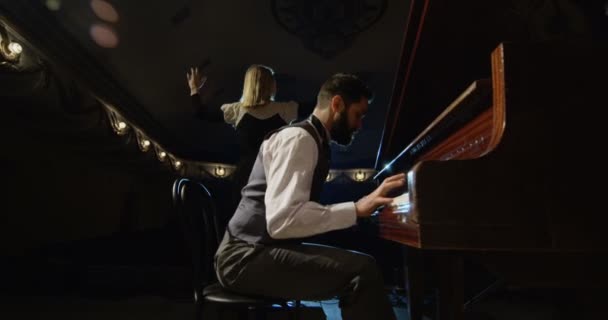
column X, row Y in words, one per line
column 470, row 105
column 446, row 48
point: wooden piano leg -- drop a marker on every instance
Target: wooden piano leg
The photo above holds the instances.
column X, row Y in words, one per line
column 414, row 275
column 450, row 305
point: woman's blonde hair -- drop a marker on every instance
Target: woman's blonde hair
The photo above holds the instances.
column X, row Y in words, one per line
column 259, row 86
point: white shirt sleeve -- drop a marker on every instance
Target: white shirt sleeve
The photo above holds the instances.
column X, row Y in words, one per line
column 230, row 114
column 290, row 158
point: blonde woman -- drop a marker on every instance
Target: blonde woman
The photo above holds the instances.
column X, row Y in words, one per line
column 255, row 115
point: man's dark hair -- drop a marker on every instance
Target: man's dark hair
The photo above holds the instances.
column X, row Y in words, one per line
column 347, row 86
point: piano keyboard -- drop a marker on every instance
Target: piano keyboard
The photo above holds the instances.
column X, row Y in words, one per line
column 401, row 204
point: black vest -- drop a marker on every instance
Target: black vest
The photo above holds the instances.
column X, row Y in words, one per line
column 249, row 220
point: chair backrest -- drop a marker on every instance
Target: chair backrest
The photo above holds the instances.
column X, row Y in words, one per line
column 197, row 213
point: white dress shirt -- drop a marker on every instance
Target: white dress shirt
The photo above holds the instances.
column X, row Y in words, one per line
column 290, row 157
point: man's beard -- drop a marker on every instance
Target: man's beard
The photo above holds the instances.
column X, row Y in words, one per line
column 340, row 132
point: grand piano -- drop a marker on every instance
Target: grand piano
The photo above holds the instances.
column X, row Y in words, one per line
column 498, row 129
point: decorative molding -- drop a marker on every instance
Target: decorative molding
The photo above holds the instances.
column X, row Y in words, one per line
column 207, row 170
column 327, row 27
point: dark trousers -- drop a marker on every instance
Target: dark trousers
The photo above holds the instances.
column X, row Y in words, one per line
column 305, row 272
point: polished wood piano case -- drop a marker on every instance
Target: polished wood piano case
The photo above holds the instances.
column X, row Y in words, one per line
column 502, row 174
column 508, row 170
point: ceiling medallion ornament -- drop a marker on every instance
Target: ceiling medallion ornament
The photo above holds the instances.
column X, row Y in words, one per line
column 327, row 27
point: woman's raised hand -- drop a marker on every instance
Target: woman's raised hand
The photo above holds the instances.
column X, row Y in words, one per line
column 196, row 80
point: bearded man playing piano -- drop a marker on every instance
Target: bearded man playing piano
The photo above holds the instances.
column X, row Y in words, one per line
column 262, row 252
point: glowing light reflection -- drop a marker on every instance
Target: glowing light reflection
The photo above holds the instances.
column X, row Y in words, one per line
column 104, row 11
column 104, row 36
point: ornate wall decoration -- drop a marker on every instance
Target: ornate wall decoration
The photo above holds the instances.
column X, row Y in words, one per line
column 327, row 27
